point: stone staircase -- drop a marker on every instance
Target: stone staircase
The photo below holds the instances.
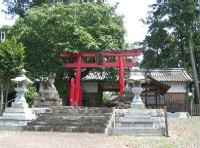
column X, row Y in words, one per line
column 72, row 119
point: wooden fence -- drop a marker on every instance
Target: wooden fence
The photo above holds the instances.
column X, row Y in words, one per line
column 195, row 109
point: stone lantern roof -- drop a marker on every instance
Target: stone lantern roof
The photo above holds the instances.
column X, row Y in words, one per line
column 22, row 78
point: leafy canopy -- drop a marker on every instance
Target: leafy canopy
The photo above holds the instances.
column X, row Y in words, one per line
column 70, row 28
column 173, row 38
column 11, row 62
column 170, row 25
column 21, row 7
column 74, row 28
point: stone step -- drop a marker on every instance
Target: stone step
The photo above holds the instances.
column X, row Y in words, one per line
column 135, row 124
column 137, row 111
column 80, row 114
column 100, row 123
column 61, row 128
column 135, row 120
column 136, row 131
column 69, row 125
column 136, row 116
column 72, row 119
column 12, row 123
column 80, row 110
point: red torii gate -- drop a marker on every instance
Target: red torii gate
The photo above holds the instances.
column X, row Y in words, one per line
column 75, row 89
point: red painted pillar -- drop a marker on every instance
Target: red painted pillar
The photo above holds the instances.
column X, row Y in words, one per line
column 72, row 87
column 78, row 80
column 121, row 74
column 80, row 103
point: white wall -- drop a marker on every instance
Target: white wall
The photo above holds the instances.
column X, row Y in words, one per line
column 176, row 87
column 91, row 87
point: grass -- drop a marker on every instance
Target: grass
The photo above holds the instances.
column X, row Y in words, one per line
column 183, row 133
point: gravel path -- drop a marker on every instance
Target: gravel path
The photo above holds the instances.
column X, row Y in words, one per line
column 56, row 140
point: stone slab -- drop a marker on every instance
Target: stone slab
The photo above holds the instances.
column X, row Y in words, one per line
column 178, row 115
column 37, row 110
column 137, row 111
column 19, row 104
column 17, row 110
column 13, row 123
column 135, row 120
column 136, row 116
column 138, row 105
column 22, row 116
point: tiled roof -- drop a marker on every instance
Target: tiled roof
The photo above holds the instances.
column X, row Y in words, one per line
column 162, row 75
column 95, row 76
column 170, row 75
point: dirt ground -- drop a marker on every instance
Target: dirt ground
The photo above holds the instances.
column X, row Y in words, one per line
column 57, row 140
column 183, row 133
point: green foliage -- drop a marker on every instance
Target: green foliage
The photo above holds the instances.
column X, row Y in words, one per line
column 11, row 56
column 106, row 97
column 31, row 95
column 74, row 28
column 11, row 62
column 170, row 25
column 174, row 31
column 19, row 7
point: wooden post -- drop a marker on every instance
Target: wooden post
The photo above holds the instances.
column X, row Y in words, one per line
column 72, row 87
column 80, row 103
column 166, row 125
column 78, row 80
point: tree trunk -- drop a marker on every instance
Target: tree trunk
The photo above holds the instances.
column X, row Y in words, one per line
column 196, row 81
column 7, row 91
column 1, row 106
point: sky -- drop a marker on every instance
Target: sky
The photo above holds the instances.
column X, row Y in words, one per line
column 133, row 11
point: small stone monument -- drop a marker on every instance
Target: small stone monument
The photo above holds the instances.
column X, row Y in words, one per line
column 48, row 95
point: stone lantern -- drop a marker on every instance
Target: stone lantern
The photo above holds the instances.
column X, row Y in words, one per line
column 22, row 82
column 19, row 109
column 136, row 80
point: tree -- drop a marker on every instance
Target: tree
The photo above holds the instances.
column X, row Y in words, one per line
column 73, row 28
column 20, row 8
column 179, row 21
column 11, row 62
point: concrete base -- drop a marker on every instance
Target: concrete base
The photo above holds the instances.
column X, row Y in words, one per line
column 19, row 105
column 16, row 117
column 178, row 115
column 12, row 123
column 137, row 121
column 137, row 105
column 19, row 113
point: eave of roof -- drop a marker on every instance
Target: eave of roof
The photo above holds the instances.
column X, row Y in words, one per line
column 161, row 75
column 168, row 75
